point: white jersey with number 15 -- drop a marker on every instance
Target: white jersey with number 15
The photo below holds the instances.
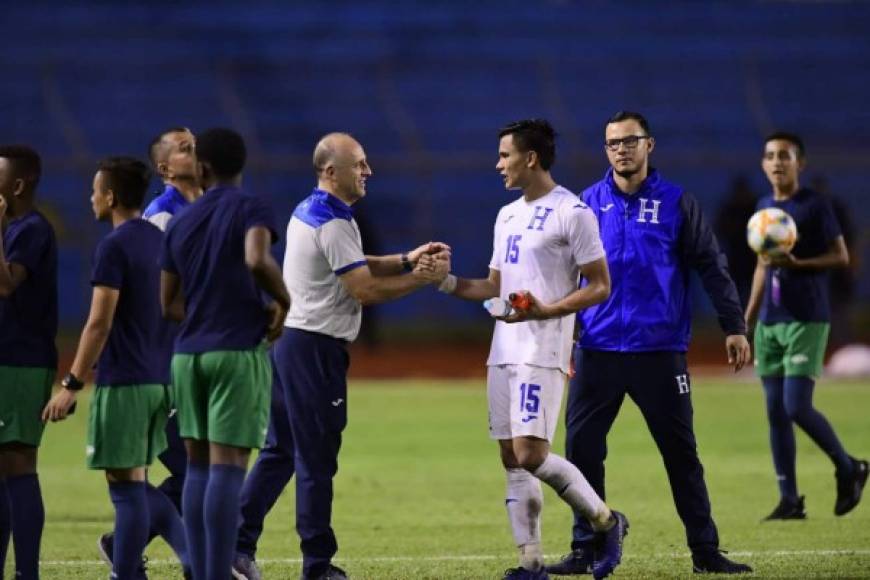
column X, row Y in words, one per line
column 540, row 246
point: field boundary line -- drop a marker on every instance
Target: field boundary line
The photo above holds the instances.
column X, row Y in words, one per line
column 484, row 557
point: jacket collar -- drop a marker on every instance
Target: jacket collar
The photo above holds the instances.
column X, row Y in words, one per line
column 651, row 182
column 339, row 208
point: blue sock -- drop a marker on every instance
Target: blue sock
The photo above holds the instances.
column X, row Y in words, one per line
column 193, row 508
column 782, row 442
column 5, row 525
column 799, row 405
column 131, row 509
column 166, row 523
column 222, row 517
column 28, row 519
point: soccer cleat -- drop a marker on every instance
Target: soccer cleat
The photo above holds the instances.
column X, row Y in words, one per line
column 140, row 571
column 788, row 509
column 713, row 562
column 608, row 549
column 245, row 568
column 578, row 561
column 525, row 574
column 105, row 546
column 849, row 487
column 331, row 573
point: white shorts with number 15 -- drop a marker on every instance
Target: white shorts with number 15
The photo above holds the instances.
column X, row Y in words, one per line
column 524, row 401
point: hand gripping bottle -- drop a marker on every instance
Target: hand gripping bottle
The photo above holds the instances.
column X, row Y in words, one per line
column 520, row 300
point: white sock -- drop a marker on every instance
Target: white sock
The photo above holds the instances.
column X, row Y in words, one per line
column 524, row 501
column 531, row 556
column 567, row 481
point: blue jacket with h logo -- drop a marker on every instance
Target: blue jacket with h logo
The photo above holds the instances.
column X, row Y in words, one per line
column 654, row 239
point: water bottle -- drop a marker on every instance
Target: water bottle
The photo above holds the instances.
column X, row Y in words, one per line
column 498, row 307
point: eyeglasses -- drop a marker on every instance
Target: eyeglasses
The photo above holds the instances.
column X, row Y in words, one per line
column 630, row 142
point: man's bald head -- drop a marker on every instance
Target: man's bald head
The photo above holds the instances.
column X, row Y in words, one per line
column 332, row 149
column 341, row 166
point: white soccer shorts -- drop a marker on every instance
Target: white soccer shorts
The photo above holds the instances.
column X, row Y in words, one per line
column 524, row 401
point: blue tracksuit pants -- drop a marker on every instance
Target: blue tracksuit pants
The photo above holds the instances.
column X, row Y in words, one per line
column 309, row 413
column 658, row 382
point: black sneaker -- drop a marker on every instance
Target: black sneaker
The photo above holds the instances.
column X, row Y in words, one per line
column 849, row 487
column 142, row 569
column 788, row 509
column 524, row 574
column 106, row 546
column 713, row 562
column 331, row 573
column 577, row 561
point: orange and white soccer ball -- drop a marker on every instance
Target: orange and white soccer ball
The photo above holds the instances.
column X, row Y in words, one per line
column 771, row 232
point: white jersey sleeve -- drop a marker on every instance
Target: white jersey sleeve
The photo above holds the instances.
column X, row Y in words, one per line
column 498, row 248
column 341, row 244
column 581, row 231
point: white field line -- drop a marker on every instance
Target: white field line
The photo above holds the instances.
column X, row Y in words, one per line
column 483, row 557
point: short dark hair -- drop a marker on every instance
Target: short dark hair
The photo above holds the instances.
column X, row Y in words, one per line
column 791, row 138
column 154, row 146
column 224, row 150
column 26, row 163
column 533, row 135
column 621, row 116
column 128, row 179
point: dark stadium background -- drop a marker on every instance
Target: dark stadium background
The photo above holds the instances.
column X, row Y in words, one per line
column 425, row 88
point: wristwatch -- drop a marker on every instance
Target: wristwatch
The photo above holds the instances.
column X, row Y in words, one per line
column 407, row 266
column 72, row 383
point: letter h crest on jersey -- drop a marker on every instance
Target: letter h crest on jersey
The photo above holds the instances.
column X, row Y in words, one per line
column 646, row 211
column 540, row 216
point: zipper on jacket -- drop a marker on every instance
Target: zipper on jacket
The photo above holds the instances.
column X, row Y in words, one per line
column 624, row 277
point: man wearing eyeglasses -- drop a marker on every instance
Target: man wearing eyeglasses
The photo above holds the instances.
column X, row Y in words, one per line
column 635, row 342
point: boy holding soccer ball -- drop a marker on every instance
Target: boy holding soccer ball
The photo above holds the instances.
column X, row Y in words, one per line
column 790, row 290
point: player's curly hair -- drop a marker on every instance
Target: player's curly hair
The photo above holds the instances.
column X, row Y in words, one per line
column 224, row 150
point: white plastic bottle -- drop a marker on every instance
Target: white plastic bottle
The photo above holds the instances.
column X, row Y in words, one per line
column 498, row 307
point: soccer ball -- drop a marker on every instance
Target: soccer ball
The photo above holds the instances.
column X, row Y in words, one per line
column 771, row 232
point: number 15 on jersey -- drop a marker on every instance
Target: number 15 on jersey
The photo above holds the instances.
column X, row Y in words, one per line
column 512, row 253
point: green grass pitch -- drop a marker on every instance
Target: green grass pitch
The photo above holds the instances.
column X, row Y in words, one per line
column 420, row 492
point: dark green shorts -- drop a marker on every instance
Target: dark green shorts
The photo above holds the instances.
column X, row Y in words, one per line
column 791, row 349
column 223, row 396
column 24, row 392
column 126, row 428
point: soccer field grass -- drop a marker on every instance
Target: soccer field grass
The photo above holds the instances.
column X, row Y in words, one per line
column 420, row 492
